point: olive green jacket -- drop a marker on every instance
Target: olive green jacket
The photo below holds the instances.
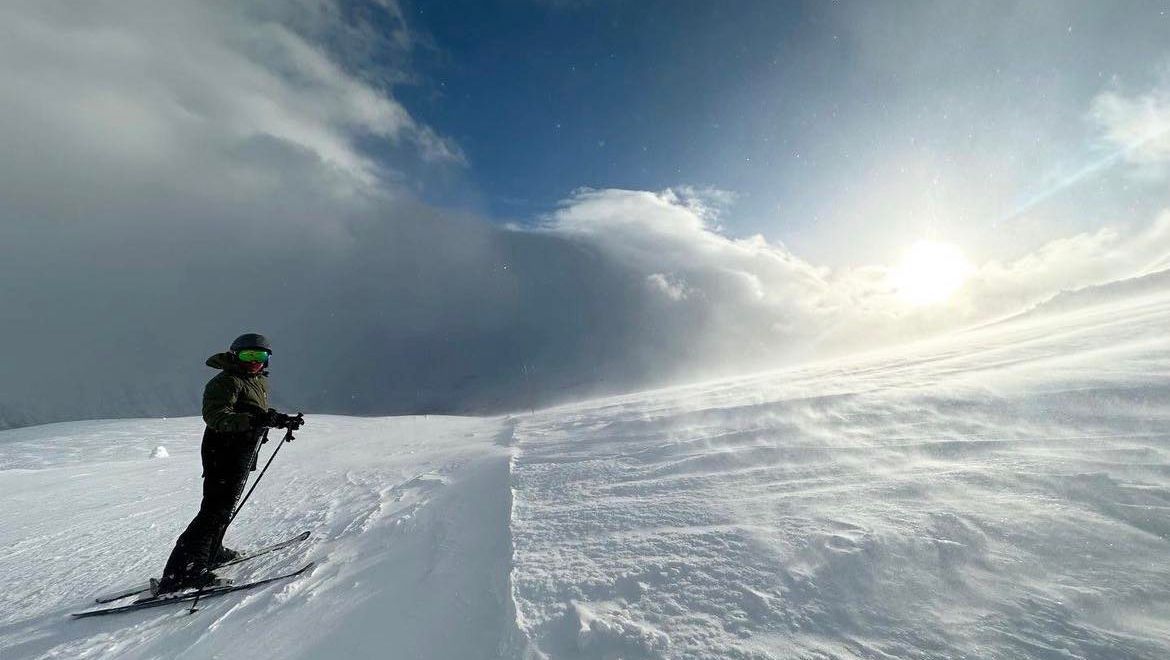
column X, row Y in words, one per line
column 233, row 395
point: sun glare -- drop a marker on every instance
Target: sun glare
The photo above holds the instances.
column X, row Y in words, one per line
column 930, row 273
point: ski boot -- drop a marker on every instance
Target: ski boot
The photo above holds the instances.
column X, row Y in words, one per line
column 171, row 584
column 224, row 555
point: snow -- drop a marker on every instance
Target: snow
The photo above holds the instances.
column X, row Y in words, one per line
column 409, row 521
column 999, row 493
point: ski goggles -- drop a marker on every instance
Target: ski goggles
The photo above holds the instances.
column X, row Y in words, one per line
column 253, row 355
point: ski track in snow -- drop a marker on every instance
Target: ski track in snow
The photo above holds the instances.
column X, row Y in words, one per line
column 1002, row 493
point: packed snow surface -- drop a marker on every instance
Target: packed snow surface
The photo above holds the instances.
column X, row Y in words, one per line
column 1000, row 493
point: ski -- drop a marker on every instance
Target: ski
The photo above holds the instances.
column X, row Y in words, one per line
column 158, row 601
column 245, row 556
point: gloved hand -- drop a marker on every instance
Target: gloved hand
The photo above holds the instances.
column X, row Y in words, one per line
column 269, row 419
column 273, row 419
column 291, row 422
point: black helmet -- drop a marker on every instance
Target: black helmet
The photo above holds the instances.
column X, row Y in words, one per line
column 251, row 340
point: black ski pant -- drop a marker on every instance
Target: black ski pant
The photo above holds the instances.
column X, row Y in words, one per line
column 227, row 460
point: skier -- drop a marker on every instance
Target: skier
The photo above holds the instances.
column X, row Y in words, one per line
column 235, row 408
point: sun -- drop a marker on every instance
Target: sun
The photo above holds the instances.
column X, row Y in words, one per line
column 930, row 273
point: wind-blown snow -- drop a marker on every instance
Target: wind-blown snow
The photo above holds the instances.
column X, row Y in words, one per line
column 1003, row 493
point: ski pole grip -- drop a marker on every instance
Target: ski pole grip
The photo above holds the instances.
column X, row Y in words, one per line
column 294, row 423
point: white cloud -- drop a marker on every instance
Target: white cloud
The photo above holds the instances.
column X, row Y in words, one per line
column 669, row 285
column 1086, row 259
column 753, row 292
column 190, row 87
column 171, row 172
column 1138, row 126
column 670, row 231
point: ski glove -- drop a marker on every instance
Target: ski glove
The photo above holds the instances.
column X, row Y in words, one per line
column 269, row 419
column 292, row 422
column 275, row 420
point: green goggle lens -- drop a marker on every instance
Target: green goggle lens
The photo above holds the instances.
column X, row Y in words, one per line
column 253, row 356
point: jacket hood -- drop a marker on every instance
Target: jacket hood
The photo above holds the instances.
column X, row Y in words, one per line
column 227, row 362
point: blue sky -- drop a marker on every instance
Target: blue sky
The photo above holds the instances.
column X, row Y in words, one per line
column 546, row 98
column 804, row 110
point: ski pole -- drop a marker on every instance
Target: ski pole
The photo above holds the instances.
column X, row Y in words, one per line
column 288, row 437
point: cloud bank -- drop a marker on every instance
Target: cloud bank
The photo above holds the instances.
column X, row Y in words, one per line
column 173, row 175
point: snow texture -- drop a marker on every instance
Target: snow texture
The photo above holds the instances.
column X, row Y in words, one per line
column 1001, row 493
column 410, row 532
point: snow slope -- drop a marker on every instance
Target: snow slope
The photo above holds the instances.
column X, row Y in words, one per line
column 409, row 521
column 1002, row 493
column 999, row 494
